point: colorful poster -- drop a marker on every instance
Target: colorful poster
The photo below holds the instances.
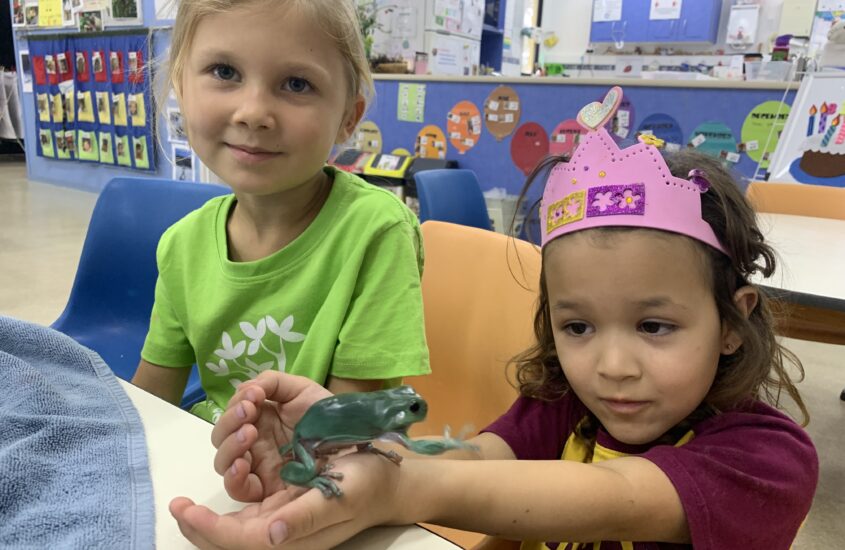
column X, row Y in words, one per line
column 501, row 112
column 368, row 138
column 565, row 137
column 431, row 143
column 664, row 127
column 714, row 139
column 463, row 125
column 410, row 106
column 529, row 145
column 762, row 130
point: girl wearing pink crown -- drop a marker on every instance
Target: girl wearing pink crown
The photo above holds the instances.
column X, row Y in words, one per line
column 648, row 415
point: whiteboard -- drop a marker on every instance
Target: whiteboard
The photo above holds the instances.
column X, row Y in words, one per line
column 815, row 89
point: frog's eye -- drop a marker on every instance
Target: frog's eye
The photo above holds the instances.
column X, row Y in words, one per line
column 415, row 407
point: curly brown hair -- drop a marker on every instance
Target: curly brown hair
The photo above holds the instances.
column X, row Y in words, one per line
column 759, row 370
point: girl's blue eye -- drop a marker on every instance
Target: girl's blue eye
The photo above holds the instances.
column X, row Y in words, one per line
column 298, row 85
column 224, row 72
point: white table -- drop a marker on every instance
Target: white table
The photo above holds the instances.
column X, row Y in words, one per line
column 811, row 267
column 181, row 464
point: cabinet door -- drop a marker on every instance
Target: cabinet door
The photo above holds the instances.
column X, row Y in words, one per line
column 699, row 21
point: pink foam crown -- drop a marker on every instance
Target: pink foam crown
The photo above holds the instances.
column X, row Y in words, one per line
column 603, row 186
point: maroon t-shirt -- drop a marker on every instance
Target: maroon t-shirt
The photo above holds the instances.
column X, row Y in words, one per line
column 746, row 479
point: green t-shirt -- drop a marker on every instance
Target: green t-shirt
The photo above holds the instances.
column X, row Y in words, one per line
column 343, row 298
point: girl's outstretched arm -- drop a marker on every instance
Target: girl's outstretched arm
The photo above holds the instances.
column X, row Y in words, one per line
column 620, row 499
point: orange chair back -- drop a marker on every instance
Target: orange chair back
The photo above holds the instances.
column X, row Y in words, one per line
column 798, row 199
column 478, row 315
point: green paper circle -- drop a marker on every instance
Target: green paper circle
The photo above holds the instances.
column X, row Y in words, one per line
column 757, row 126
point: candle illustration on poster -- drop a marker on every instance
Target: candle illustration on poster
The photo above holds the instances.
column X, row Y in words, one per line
column 829, row 134
column 463, row 124
column 840, row 137
column 822, row 117
column 812, row 124
column 529, row 145
column 502, row 110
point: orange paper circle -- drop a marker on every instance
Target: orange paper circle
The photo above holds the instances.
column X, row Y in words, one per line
column 431, row 143
column 464, row 126
column 501, row 112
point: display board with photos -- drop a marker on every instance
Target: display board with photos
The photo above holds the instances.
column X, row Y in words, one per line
column 92, row 99
column 83, row 15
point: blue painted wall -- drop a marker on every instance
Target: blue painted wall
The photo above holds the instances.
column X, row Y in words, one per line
column 549, row 105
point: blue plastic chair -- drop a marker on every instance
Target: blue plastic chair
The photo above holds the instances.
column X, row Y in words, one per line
column 112, row 295
column 452, row 196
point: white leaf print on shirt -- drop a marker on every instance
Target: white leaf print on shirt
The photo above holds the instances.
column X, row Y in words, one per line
column 230, row 352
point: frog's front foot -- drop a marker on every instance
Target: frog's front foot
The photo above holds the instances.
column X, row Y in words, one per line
column 298, row 474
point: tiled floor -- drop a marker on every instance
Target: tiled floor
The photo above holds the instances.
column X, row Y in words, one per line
column 42, row 228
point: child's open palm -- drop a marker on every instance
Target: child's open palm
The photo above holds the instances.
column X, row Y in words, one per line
column 260, row 418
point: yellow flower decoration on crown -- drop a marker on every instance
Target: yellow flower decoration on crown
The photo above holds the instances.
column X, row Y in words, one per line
column 651, row 139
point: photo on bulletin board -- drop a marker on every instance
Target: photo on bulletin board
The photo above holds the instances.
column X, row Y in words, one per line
column 90, row 21
column 89, row 148
column 137, row 110
column 69, row 101
column 182, row 160
column 70, row 143
column 106, row 148
column 176, row 125
column 18, row 13
column 121, row 13
column 45, row 138
column 812, row 145
column 58, row 108
column 62, row 151
column 84, row 107
column 67, row 13
column 31, row 14
column 123, row 151
column 103, row 108
column 118, row 109
column 140, row 155
column 43, row 103
column 25, row 71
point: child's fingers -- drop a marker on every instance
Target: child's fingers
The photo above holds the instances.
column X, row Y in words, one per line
column 284, row 388
column 236, row 445
column 241, row 484
column 309, row 514
column 179, row 507
column 237, row 415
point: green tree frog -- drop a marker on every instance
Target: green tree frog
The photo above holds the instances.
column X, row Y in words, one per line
column 356, row 420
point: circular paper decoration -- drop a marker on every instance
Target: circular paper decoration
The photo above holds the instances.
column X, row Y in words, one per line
column 464, row 126
column 566, row 137
column 759, row 124
column 529, row 145
column 501, row 112
column 714, row 139
column 664, row 127
column 622, row 124
column 431, row 143
column 368, row 138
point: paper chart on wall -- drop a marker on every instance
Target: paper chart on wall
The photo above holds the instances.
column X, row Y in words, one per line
column 502, row 110
column 607, row 10
column 762, row 130
column 529, row 145
column 665, row 9
column 410, row 106
column 463, row 125
column 368, row 138
column 430, row 143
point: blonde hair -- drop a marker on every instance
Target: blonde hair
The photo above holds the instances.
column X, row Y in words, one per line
column 338, row 19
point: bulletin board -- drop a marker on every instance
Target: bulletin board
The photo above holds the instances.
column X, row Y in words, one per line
column 548, row 104
column 811, row 123
column 92, row 99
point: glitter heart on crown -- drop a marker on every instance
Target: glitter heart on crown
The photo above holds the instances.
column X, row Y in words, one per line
column 595, row 115
column 603, row 185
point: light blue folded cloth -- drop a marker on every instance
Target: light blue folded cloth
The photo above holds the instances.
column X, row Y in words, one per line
column 73, row 459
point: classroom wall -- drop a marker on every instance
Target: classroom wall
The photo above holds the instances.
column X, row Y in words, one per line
column 571, row 22
column 549, row 104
